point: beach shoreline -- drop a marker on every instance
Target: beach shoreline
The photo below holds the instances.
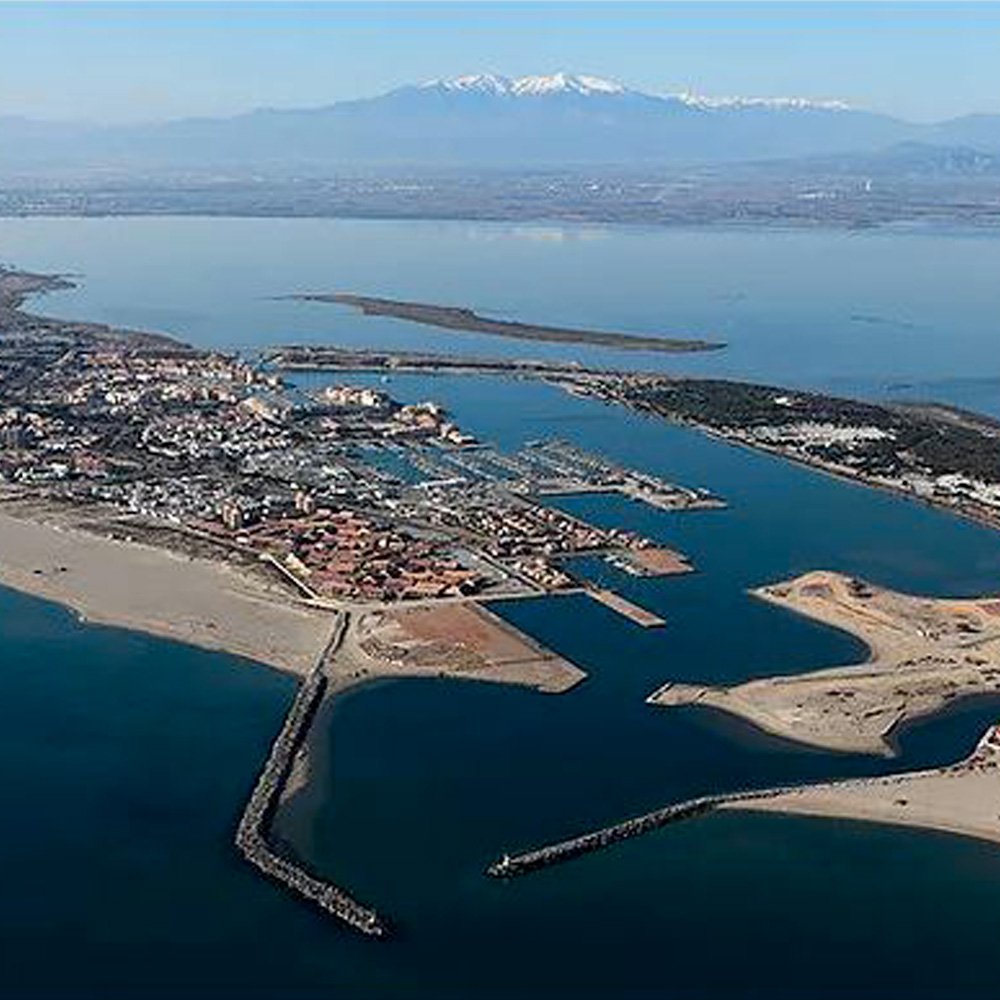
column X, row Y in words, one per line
column 142, row 588
column 962, row 799
column 106, row 579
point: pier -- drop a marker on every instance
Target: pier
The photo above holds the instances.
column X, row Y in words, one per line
column 520, row 864
column 251, row 834
column 628, row 609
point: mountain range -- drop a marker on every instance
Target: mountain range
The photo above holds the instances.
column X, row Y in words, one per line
column 485, row 120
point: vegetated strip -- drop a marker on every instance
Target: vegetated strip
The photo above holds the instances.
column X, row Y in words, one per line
column 322, row 357
column 945, row 457
column 460, row 318
column 251, row 834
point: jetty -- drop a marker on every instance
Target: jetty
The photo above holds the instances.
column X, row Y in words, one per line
column 626, row 608
column 252, row 833
column 510, row 865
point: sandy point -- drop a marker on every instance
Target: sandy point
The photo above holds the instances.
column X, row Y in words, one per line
column 963, row 798
column 462, row 640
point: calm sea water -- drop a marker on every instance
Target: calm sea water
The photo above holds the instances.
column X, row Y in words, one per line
column 883, row 311
column 127, row 759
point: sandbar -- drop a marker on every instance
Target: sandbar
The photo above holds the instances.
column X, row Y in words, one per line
column 466, row 320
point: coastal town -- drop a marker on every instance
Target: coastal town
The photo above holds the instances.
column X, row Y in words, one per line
column 342, row 491
column 499, row 501
column 207, row 498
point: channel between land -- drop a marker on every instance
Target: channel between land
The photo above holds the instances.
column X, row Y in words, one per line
column 252, row 832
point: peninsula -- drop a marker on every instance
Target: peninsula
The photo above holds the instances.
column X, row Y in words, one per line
column 467, row 321
column 936, row 454
column 924, row 654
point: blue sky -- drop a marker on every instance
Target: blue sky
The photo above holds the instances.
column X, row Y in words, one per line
column 122, row 61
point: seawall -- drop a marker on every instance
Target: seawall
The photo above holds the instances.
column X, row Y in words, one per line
column 252, row 832
column 553, row 854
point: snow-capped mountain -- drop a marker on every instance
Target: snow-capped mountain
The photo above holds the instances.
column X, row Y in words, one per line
column 485, row 120
column 704, row 102
column 524, row 86
column 562, row 83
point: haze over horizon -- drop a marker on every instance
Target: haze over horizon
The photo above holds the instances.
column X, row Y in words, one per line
column 919, row 62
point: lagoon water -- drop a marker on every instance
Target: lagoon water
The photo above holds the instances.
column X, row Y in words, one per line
column 126, row 759
column 904, row 312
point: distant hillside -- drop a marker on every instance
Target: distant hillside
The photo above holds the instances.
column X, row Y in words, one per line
column 467, row 121
column 482, row 121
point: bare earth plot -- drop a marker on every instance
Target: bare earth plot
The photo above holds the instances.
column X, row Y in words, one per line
column 455, row 640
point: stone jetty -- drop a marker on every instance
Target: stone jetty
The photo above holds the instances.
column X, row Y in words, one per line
column 251, row 834
column 554, row 854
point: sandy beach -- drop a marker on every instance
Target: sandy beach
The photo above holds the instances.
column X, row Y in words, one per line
column 924, row 653
column 962, row 799
column 207, row 603
column 149, row 589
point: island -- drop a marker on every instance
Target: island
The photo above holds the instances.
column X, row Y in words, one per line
column 466, row 320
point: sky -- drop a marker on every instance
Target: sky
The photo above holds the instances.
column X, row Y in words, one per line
column 125, row 62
